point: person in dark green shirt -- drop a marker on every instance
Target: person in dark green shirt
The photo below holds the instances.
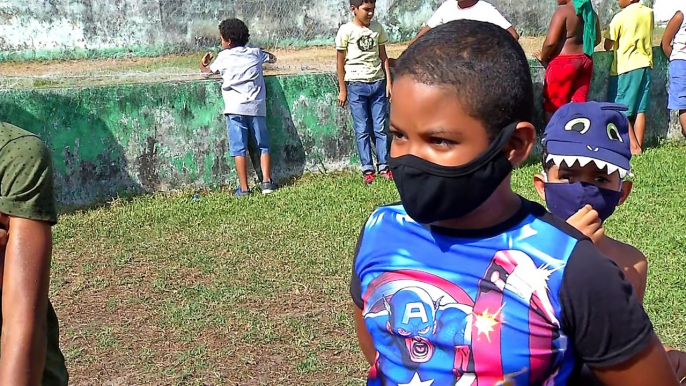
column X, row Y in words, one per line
column 29, row 343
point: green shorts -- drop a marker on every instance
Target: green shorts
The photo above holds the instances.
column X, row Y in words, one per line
column 631, row 89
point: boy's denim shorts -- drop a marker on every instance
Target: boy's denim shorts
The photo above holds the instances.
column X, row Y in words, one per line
column 240, row 127
column 677, row 85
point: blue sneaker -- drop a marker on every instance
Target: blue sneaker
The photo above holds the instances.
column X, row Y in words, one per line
column 268, row 187
column 240, row 193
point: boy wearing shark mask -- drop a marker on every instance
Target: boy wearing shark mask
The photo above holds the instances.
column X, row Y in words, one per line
column 586, row 159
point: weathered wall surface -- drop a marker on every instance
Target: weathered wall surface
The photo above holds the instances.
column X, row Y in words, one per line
column 83, row 28
column 140, row 138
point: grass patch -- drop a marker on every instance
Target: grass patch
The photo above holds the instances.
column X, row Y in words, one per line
column 170, row 290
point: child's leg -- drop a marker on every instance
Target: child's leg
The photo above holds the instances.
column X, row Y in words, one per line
column 238, row 144
column 643, row 102
column 624, row 89
column 358, row 99
column 379, row 114
column 259, row 128
column 682, row 120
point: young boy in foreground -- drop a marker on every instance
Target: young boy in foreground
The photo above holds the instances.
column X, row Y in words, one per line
column 244, row 94
column 29, row 351
column 630, row 36
column 364, row 81
column 674, row 46
column 567, row 54
column 586, row 158
column 465, row 281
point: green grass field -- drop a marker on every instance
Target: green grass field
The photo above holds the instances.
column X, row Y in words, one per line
column 170, row 290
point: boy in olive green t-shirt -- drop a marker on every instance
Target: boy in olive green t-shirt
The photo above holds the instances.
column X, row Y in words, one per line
column 27, row 207
column 363, row 77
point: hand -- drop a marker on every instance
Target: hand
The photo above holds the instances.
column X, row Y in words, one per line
column 342, row 97
column 537, row 55
column 206, row 59
column 678, row 361
column 388, row 91
column 586, row 221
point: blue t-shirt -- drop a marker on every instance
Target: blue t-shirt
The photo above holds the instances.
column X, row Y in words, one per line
column 243, row 87
column 525, row 302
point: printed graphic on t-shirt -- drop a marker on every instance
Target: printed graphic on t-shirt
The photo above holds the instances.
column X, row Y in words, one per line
column 365, row 43
column 493, row 321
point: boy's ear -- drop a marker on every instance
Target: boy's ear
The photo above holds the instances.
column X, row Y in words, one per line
column 521, row 143
column 539, row 184
column 626, row 190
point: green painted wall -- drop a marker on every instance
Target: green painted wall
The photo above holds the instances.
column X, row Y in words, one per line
column 143, row 138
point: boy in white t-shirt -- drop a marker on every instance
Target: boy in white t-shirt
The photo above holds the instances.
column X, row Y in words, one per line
column 365, row 84
column 674, row 46
column 244, row 93
column 477, row 10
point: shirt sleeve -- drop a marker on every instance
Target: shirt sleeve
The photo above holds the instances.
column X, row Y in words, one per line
column 600, row 312
column 342, row 38
column 26, row 180
column 497, row 18
column 355, row 282
column 216, row 65
column 437, row 18
column 613, row 32
column 383, row 36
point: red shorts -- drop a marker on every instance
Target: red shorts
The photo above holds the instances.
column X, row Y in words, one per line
column 567, row 79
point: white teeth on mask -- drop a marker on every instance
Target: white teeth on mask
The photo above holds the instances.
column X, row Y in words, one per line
column 569, row 161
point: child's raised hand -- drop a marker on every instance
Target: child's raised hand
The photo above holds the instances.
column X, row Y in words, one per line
column 206, row 59
column 586, row 220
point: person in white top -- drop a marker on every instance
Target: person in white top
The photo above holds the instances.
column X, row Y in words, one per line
column 674, row 46
column 478, row 10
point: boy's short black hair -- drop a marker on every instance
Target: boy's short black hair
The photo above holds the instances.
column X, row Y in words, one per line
column 358, row 3
column 236, row 31
column 481, row 63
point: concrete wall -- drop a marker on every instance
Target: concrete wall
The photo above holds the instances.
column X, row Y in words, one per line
column 88, row 28
column 142, row 138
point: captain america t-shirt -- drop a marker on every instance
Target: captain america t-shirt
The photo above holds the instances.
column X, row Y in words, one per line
column 523, row 303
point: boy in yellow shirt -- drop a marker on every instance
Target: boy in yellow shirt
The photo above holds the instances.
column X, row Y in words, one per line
column 365, row 84
column 630, row 37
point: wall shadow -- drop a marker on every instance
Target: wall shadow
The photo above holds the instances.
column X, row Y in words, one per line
column 89, row 163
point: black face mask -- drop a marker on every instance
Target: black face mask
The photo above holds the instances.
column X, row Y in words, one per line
column 431, row 192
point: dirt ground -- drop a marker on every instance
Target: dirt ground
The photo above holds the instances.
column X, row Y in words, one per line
column 41, row 74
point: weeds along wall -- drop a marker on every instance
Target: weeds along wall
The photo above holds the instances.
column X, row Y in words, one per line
column 60, row 29
column 118, row 140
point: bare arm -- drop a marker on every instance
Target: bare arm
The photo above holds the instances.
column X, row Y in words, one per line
column 598, row 31
column 552, row 40
column 363, row 337
column 386, row 67
column 26, row 280
column 419, row 34
column 650, row 367
column 513, row 32
column 271, row 58
column 609, row 44
column 670, row 32
column 340, row 70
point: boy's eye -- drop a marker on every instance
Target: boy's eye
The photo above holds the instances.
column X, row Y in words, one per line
column 601, row 179
column 397, row 134
column 442, row 141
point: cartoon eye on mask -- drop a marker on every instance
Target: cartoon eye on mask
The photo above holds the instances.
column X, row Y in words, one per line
column 580, row 125
column 613, row 132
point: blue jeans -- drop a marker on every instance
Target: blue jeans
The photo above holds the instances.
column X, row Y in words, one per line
column 369, row 108
column 240, row 127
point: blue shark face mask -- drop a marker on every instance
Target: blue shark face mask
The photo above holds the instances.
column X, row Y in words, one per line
column 565, row 199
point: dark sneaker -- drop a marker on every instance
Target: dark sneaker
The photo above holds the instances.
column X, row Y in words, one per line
column 369, row 178
column 268, row 187
column 242, row 193
column 387, row 174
